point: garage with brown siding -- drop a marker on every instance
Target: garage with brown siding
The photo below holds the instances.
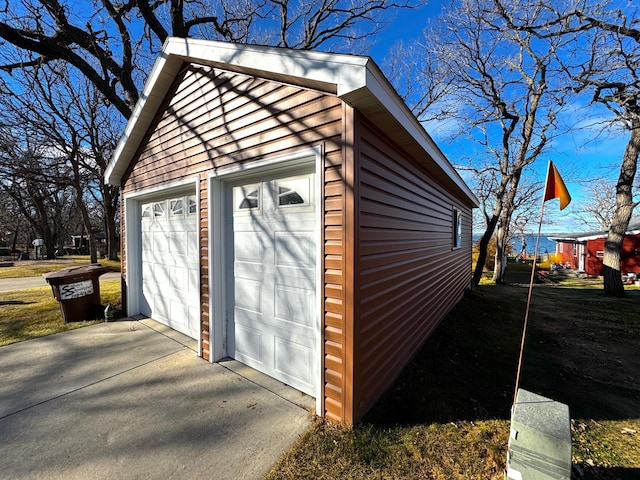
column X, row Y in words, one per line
column 287, row 210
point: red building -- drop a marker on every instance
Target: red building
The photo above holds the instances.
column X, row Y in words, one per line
column 585, row 251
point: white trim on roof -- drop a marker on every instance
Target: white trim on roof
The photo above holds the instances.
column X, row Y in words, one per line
column 356, row 80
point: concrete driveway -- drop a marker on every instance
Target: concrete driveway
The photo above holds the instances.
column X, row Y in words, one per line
column 131, row 400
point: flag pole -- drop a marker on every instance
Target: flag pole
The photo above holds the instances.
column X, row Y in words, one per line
column 526, row 312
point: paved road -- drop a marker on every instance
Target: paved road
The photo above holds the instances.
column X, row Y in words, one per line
column 10, row 284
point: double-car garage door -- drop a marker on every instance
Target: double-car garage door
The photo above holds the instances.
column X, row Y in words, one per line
column 270, row 255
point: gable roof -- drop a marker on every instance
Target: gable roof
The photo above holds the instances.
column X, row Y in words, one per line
column 632, row 229
column 356, row 80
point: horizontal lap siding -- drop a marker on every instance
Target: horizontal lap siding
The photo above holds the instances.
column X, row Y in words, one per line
column 410, row 276
column 333, row 361
column 595, row 254
column 214, row 120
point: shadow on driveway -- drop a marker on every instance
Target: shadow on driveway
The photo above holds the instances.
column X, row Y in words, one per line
column 131, row 399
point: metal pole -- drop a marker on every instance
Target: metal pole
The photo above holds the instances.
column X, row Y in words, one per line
column 526, row 313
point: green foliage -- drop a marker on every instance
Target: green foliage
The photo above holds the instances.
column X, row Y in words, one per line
column 490, row 262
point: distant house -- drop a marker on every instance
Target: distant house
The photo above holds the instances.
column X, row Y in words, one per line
column 82, row 241
column 80, row 244
column 585, row 251
column 286, row 209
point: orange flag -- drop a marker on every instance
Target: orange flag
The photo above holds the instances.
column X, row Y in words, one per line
column 555, row 187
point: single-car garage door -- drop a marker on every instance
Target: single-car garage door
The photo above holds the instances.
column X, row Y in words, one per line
column 272, row 305
column 170, row 273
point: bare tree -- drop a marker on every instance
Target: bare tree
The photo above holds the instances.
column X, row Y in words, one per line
column 600, row 204
column 505, row 94
column 30, row 176
column 106, row 47
column 68, row 118
column 15, row 229
column 112, row 45
column 611, row 73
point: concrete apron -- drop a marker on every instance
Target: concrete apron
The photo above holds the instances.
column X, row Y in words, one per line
column 131, row 399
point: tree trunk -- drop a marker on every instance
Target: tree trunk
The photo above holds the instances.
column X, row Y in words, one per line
column 613, row 286
column 624, row 208
column 42, row 226
column 482, row 251
column 502, row 239
column 111, row 204
column 86, row 220
column 14, row 241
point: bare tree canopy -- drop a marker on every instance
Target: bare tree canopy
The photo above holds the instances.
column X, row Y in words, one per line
column 51, row 110
column 73, row 70
column 500, row 88
column 603, row 59
column 111, row 43
column 505, row 75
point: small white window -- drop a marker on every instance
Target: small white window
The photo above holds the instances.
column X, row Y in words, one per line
column 159, row 209
column 176, row 207
column 247, row 197
column 294, row 192
column 146, row 211
column 600, row 254
column 193, row 205
column 457, row 228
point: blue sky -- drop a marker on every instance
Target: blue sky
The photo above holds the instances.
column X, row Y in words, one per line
column 407, row 25
column 588, row 151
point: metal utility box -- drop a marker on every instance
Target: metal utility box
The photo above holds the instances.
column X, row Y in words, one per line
column 540, row 439
column 77, row 289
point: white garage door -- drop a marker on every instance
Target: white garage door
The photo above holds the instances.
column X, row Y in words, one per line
column 170, row 273
column 272, row 303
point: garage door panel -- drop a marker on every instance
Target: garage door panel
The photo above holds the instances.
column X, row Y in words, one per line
column 273, row 276
column 249, row 343
column 249, row 270
column 160, row 306
column 248, row 294
column 160, row 242
column 178, row 278
column 294, row 305
column 178, row 244
column 170, row 266
column 249, row 247
column 193, row 239
column 294, row 249
column 294, row 361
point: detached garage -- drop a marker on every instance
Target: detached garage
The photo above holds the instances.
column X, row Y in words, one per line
column 285, row 209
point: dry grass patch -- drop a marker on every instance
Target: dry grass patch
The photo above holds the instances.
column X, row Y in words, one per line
column 447, row 415
column 35, row 268
column 32, row 313
column 460, row 450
